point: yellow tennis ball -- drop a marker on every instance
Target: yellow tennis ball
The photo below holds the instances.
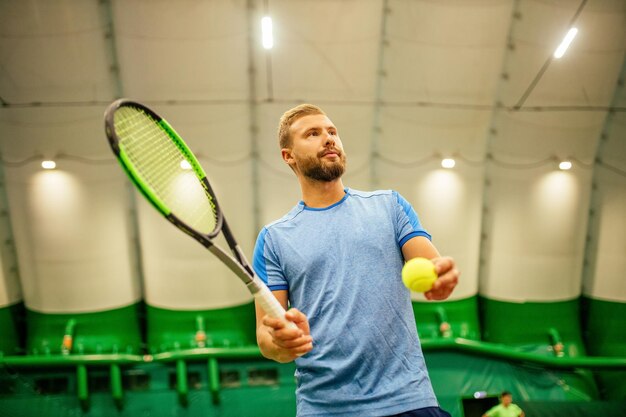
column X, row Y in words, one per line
column 419, row 274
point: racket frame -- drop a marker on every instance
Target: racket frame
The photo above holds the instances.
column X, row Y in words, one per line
column 238, row 264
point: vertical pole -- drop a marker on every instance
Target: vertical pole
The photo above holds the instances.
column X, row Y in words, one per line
column 253, row 112
column 380, row 74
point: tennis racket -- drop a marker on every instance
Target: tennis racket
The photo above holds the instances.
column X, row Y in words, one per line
column 168, row 174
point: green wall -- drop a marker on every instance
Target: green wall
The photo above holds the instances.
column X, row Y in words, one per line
column 526, row 324
column 536, row 327
column 604, row 324
column 108, row 331
column 250, row 384
column 11, row 329
column 171, row 329
column 461, row 315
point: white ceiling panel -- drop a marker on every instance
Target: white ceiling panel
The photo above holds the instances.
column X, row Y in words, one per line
column 586, row 75
column 50, row 131
column 412, row 134
column 534, row 136
column 323, row 49
column 53, row 51
column 444, row 51
column 575, row 78
column 182, row 50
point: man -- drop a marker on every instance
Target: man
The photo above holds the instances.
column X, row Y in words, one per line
column 506, row 408
column 337, row 257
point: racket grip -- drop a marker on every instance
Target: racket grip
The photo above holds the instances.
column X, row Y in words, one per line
column 271, row 306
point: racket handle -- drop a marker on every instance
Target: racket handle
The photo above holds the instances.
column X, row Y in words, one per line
column 271, row 306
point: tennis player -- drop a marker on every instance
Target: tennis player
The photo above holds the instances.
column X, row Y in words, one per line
column 506, row 408
column 336, row 259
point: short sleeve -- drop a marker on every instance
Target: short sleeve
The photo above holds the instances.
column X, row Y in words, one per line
column 492, row 412
column 408, row 224
column 266, row 263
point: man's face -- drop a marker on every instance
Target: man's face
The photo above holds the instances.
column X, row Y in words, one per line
column 316, row 149
column 506, row 400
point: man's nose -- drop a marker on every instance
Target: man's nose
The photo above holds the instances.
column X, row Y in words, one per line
column 330, row 138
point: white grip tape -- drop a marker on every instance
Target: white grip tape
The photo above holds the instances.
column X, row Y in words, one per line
column 271, row 306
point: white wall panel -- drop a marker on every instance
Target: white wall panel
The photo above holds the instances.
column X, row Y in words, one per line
column 536, row 235
column 609, row 274
column 72, row 237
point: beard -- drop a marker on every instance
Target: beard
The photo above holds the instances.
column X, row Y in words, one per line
column 318, row 169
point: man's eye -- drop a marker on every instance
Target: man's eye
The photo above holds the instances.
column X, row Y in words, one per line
column 313, row 133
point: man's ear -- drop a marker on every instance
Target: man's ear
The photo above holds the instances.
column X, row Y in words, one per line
column 287, row 155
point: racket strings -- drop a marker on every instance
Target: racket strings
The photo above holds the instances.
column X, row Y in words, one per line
column 157, row 160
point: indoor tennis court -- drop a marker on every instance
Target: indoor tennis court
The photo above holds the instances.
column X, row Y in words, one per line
column 501, row 123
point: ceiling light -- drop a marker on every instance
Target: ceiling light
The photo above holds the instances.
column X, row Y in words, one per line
column 266, row 30
column 560, row 51
column 48, row 164
column 448, row 163
column 480, row 394
column 565, row 165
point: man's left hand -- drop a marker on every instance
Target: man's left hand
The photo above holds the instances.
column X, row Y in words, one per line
column 448, row 277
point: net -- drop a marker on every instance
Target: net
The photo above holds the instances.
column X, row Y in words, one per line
column 163, row 168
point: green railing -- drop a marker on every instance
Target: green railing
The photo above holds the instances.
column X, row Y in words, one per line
column 214, row 355
column 485, row 349
column 496, row 351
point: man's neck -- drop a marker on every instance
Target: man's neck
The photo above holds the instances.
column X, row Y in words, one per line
column 320, row 194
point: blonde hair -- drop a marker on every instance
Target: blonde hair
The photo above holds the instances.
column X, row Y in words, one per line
column 289, row 117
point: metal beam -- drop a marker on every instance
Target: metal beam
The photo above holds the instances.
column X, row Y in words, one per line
column 106, row 16
column 595, row 196
column 380, row 75
column 491, row 135
column 253, row 114
column 8, row 252
column 547, row 63
column 322, row 101
column 269, row 76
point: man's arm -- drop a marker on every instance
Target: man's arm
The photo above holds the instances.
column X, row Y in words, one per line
column 277, row 342
column 448, row 275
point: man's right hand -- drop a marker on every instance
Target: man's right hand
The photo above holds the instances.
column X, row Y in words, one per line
column 284, row 344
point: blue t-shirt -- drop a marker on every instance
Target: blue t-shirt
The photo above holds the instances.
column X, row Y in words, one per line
column 342, row 266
